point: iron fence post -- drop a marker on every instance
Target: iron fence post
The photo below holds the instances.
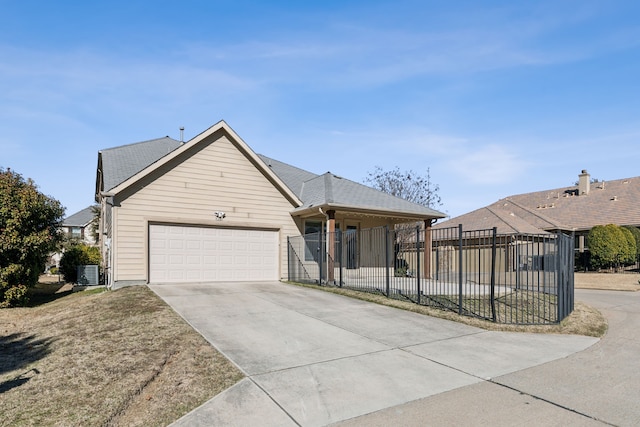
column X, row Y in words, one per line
column 493, row 274
column 460, row 269
column 339, row 233
column 418, row 260
column 570, row 287
column 320, row 257
column 386, row 258
column 559, row 277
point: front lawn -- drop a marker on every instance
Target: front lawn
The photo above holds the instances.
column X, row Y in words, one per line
column 104, row 358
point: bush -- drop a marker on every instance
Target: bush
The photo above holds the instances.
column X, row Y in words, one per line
column 401, row 268
column 610, row 245
column 76, row 255
column 636, row 235
column 628, row 257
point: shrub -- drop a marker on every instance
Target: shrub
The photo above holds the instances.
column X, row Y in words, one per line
column 636, row 235
column 610, row 246
column 401, row 268
column 629, row 254
column 76, row 255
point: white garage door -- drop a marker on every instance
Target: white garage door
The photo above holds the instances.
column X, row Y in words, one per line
column 203, row 254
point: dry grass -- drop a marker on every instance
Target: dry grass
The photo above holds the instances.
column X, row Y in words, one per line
column 104, row 358
column 584, row 320
column 607, row 281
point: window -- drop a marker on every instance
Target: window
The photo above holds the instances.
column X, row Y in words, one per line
column 75, row 232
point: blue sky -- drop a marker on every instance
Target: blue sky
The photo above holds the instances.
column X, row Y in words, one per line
column 495, row 97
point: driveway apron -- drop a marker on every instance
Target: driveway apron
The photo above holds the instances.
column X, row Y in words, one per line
column 313, row 358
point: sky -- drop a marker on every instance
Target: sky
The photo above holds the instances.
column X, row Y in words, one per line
column 493, row 98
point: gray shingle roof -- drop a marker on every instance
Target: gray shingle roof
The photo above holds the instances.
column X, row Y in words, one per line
column 329, row 189
column 292, row 176
column 79, row 219
column 121, row 163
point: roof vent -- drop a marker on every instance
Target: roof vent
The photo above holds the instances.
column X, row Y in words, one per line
column 181, row 133
column 614, row 199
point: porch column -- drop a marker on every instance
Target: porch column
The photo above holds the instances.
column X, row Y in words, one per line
column 331, row 242
column 427, row 248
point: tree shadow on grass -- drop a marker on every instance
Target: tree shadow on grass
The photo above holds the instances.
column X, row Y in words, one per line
column 18, row 351
column 18, row 381
column 39, row 298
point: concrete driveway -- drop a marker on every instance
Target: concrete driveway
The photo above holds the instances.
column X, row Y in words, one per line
column 313, row 358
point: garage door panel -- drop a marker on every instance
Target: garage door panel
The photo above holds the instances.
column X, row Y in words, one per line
column 191, row 254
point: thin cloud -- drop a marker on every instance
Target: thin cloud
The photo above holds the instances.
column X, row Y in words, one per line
column 488, row 165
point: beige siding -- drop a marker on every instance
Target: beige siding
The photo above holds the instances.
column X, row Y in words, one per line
column 216, row 178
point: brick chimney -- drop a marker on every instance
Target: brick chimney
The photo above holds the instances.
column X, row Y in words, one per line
column 584, row 182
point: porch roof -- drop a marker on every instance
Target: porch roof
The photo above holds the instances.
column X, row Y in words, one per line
column 329, row 191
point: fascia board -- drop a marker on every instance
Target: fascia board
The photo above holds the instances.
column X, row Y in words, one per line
column 365, row 211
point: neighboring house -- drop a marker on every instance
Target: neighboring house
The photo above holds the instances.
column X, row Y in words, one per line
column 79, row 226
column 576, row 209
column 211, row 209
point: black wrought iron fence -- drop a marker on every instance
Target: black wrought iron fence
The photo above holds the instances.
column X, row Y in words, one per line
column 517, row 279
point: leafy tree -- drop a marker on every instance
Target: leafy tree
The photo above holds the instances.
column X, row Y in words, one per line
column 407, row 185
column 75, row 255
column 29, row 223
column 610, row 246
column 95, row 224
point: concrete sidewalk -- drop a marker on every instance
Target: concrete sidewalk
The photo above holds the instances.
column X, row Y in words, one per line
column 314, row 358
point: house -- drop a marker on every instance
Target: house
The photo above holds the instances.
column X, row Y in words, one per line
column 577, row 208
column 210, row 209
column 79, row 226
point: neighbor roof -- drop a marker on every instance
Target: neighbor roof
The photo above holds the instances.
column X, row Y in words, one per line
column 610, row 202
column 79, row 219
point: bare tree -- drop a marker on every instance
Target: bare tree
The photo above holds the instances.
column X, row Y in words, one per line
column 407, row 185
